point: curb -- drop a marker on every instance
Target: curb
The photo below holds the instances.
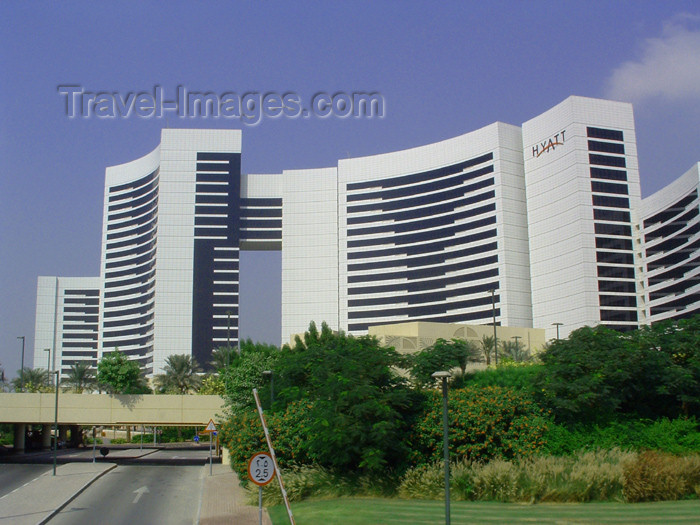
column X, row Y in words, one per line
column 78, row 493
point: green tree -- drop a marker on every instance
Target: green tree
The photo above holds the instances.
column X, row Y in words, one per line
column 80, row 377
column 359, row 408
column 212, row 386
column 31, row 380
column 181, row 375
column 246, row 373
column 120, row 375
column 443, row 355
column 598, row 373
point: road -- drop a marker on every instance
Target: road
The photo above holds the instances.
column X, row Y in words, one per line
column 14, row 476
column 138, row 494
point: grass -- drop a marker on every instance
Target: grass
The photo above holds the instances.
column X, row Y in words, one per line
column 369, row 511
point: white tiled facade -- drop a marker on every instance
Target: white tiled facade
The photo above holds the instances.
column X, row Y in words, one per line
column 544, row 220
column 579, row 197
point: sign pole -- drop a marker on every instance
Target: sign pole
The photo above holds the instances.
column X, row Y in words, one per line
column 260, row 504
column 210, row 467
column 261, row 470
column 272, row 454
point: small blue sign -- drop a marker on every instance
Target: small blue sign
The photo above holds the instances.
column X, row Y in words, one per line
column 196, row 439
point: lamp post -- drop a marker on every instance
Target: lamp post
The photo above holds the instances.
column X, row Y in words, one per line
column 272, row 386
column 445, row 440
column 493, row 311
column 55, row 426
column 48, row 365
column 557, row 325
column 21, row 370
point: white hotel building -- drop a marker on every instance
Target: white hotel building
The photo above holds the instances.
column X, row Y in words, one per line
column 545, row 219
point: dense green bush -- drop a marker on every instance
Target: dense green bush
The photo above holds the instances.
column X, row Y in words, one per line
column 598, row 375
column 677, row 436
column 518, row 376
column 484, row 423
column 243, row 436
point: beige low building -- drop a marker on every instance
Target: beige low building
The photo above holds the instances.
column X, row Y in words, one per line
column 412, row 337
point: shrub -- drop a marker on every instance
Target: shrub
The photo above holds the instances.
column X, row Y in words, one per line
column 423, row 482
column 243, row 436
column 518, row 376
column 589, row 476
column 496, row 480
column 291, row 432
column 313, row 481
column 658, row 476
column 484, row 423
column 677, row 436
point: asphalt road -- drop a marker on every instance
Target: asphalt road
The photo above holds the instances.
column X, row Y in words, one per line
column 138, row 494
column 14, row 476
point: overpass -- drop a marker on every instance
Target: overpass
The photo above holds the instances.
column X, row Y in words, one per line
column 22, row 409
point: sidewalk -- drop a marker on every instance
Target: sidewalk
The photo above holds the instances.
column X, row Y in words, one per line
column 224, row 501
column 43, row 497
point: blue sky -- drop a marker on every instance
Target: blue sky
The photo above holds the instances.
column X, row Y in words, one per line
column 443, row 69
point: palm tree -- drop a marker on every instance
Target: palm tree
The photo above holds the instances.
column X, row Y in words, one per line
column 180, row 375
column 31, row 380
column 487, row 347
column 515, row 351
column 80, row 377
column 222, row 357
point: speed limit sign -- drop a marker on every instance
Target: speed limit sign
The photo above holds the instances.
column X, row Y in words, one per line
column 261, row 469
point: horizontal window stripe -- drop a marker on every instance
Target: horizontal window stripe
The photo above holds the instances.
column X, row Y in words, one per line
column 437, row 258
column 426, row 211
column 421, row 200
column 426, row 187
column 418, row 286
column 420, row 177
column 423, row 248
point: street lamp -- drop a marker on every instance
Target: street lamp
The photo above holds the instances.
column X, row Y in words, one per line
column 55, row 425
column 21, row 370
column 272, row 386
column 493, row 311
column 557, row 325
column 48, row 365
column 445, row 440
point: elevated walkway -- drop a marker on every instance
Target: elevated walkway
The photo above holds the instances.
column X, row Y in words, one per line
column 108, row 410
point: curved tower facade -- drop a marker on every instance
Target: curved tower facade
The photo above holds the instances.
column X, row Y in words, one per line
column 672, row 248
column 427, row 233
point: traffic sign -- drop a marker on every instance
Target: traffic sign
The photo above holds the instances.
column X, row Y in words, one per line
column 211, row 427
column 261, row 469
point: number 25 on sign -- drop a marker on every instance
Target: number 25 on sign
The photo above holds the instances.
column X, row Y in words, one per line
column 261, row 469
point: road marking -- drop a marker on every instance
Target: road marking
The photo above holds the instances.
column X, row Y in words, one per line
column 140, row 492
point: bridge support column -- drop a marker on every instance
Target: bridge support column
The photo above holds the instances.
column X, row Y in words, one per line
column 63, row 433
column 20, row 433
column 46, row 436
